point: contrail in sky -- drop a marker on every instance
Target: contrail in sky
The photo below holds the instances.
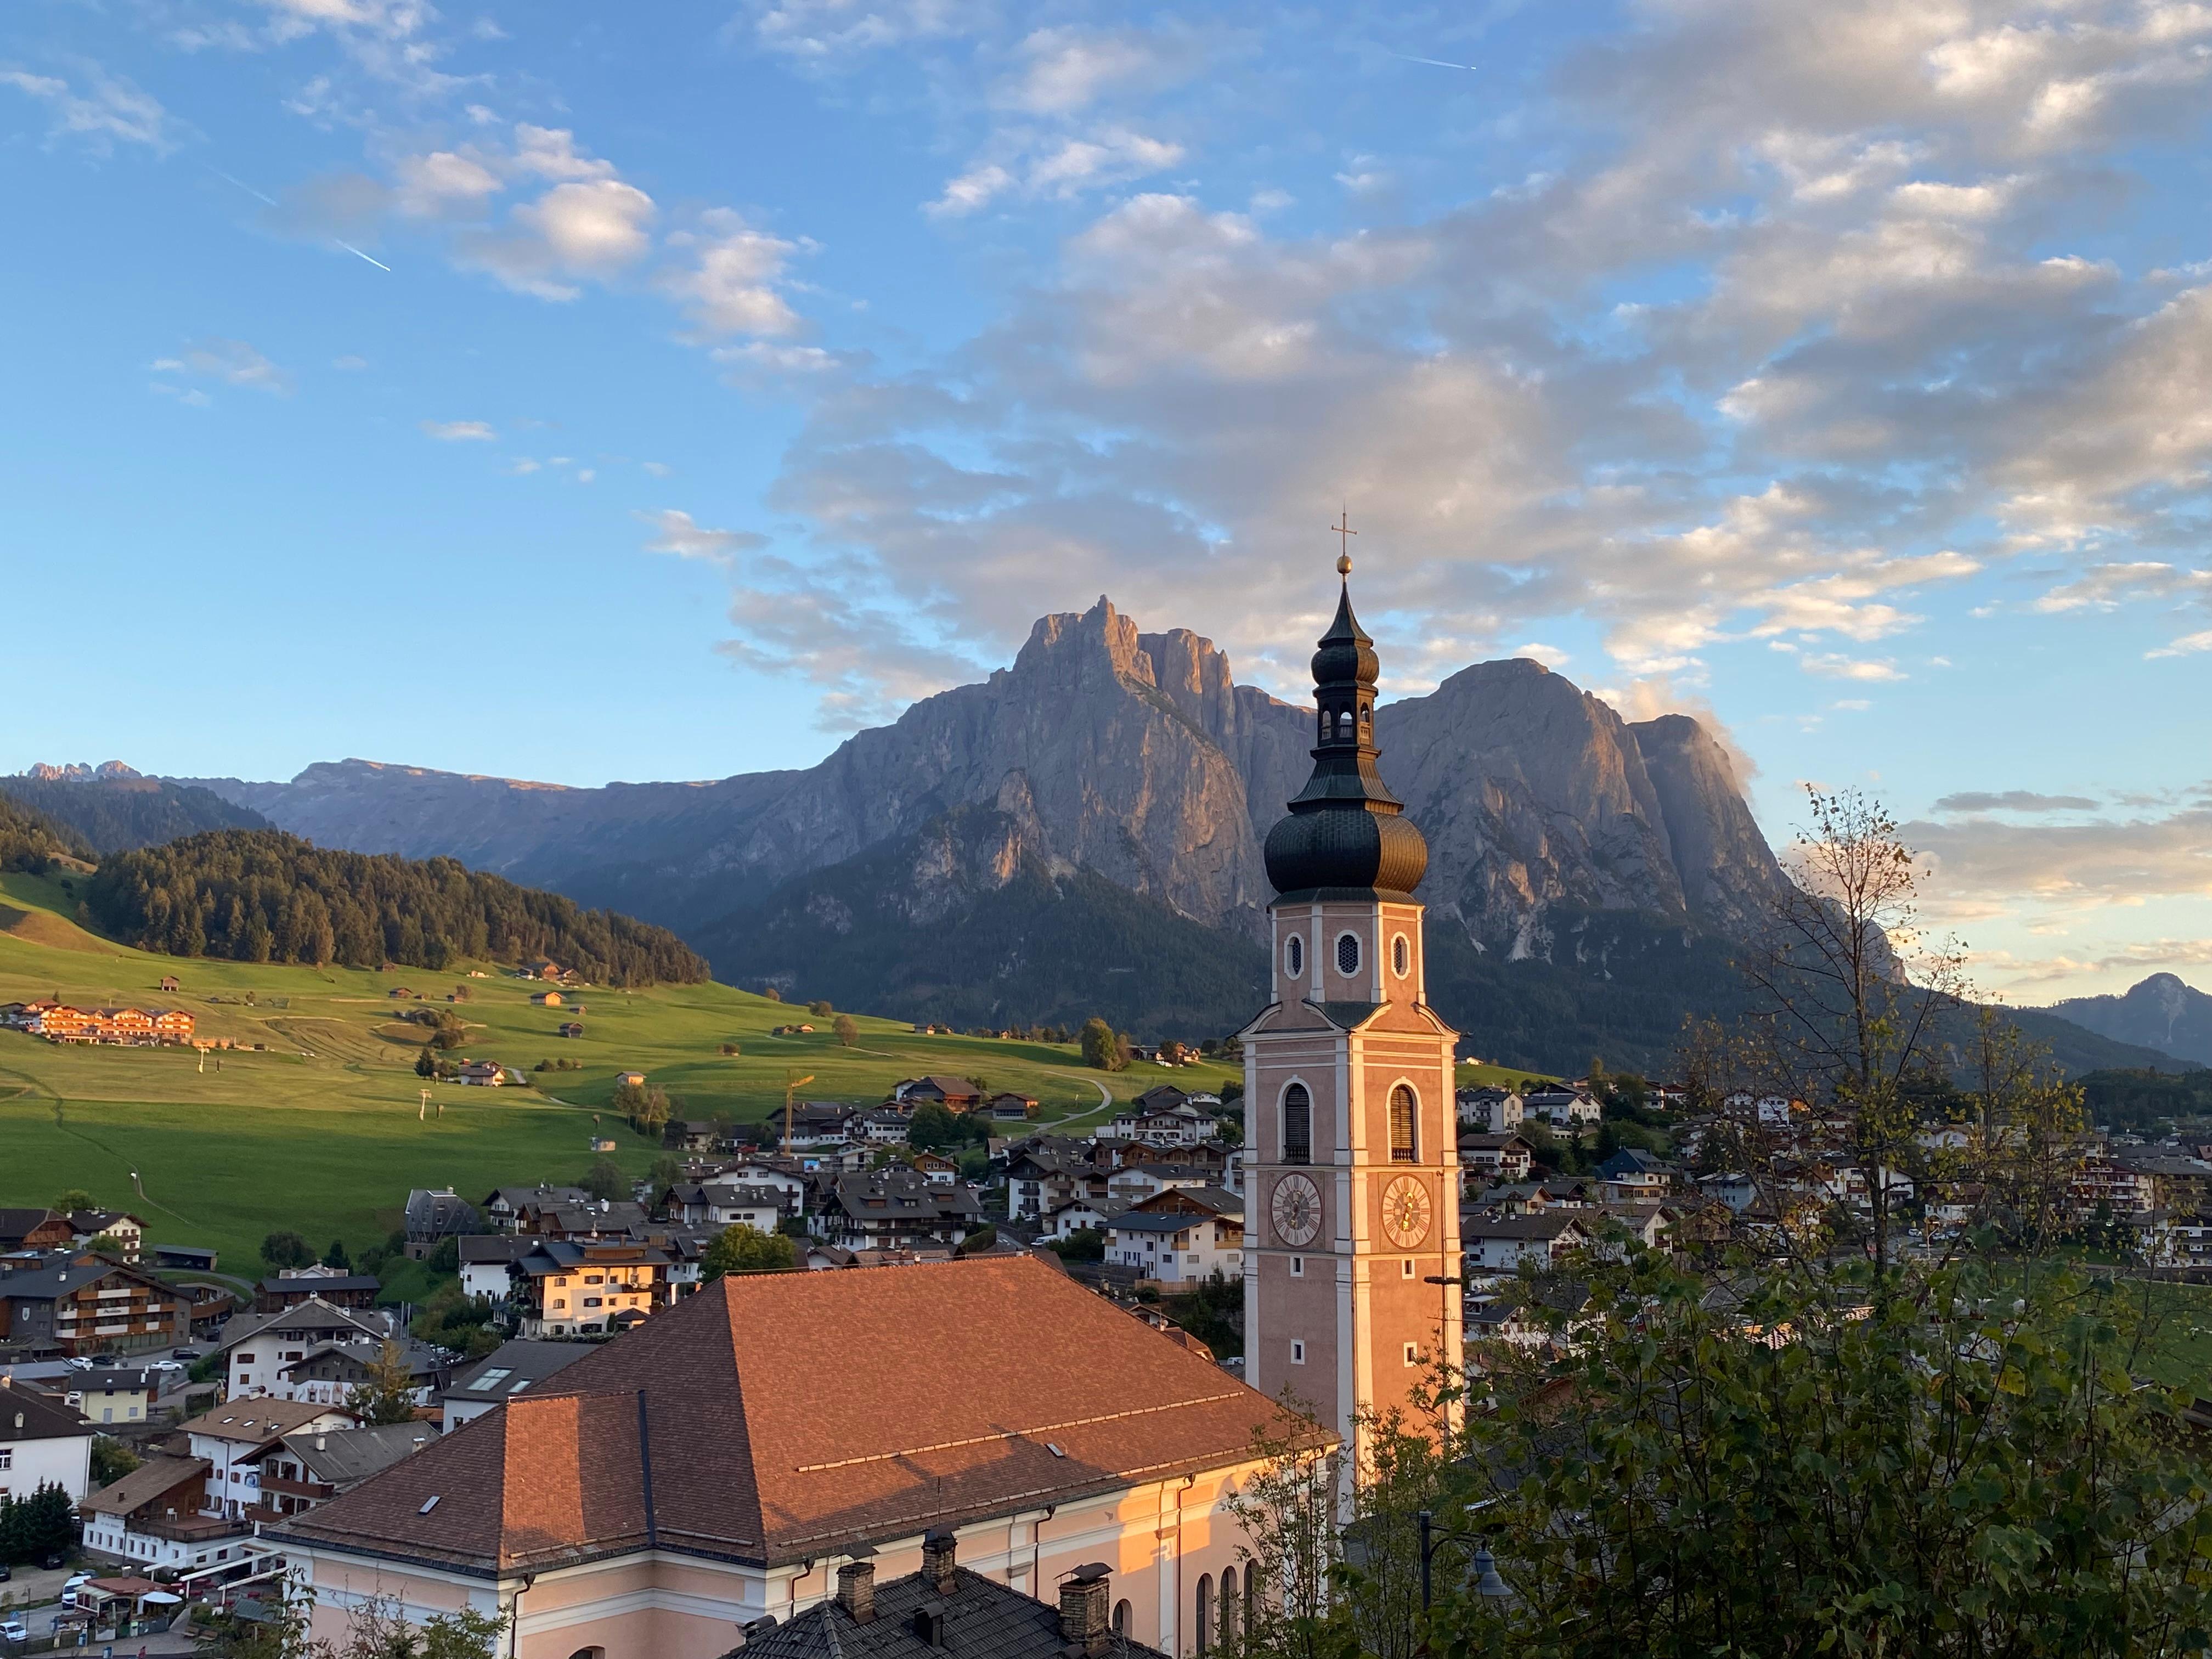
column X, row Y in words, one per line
column 243, row 185
column 1439, row 61
column 272, row 201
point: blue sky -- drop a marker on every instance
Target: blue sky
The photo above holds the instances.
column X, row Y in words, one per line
column 587, row 393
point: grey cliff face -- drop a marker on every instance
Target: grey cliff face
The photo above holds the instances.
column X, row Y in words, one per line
column 1135, row 755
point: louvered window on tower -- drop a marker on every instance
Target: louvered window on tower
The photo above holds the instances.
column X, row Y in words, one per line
column 1298, row 1125
column 1402, row 1149
column 1347, row 953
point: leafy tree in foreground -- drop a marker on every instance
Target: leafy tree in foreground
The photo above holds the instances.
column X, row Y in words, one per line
column 745, row 1250
column 1964, row 1466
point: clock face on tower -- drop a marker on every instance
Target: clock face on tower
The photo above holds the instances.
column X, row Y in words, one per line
column 1296, row 1209
column 1406, row 1212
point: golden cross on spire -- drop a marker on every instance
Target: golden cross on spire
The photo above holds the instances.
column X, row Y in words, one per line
column 1344, row 533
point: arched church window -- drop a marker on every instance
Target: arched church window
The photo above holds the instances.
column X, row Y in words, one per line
column 1403, row 1111
column 1298, row 1125
column 1347, row 953
column 1204, row 1611
column 1344, row 724
column 1294, row 956
column 1230, row 1619
column 1120, row 1619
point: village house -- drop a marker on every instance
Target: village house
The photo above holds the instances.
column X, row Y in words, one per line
column 153, row 1518
column 895, row 1209
column 33, row 1229
column 488, row 1383
column 434, row 1215
column 484, row 1260
column 1487, row 1159
column 718, row 1205
column 1560, row 1106
column 504, row 1207
column 1493, row 1111
column 1048, row 1173
column 571, row 1287
column 257, row 1347
column 328, row 1373
column 80, row 1303
column 483, row 1073
column 43, row 1442
column 936, row 1169
column 546, row 998
column 570, row 1028
column 691, row 1134
column 1181, row 1236
column 992, row 1398
column 134, row 1028
column 954, row 1093
column 1139, row 1182
column 1507, row 1244
column 233, row 1438
column 1164, row 1117
column 1008, row 1108
column 109, row 1395
column 334, row 1285
column 309, row 1466
column 1632, row 1172
column 118, row 1232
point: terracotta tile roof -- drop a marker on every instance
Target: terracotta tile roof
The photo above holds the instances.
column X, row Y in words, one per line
column 257, row 1422
column 790, row 1414
column 152, row 1479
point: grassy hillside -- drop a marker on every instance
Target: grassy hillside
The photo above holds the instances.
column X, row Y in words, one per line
column 319, row 1131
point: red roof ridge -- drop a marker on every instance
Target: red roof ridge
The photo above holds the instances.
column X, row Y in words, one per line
column 1017, row 1434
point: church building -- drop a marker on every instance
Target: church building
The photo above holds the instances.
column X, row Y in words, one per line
column 1352, row 1257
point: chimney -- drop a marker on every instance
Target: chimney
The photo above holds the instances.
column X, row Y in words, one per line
column 856, row 1589
column 937, row 1552
column 1085, row 1596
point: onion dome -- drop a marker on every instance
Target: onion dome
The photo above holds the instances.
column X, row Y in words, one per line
column 1345, row 836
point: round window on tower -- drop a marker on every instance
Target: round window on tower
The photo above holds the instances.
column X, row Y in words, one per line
column 1402, row 956
column 1294, row 956
column 1347, row 953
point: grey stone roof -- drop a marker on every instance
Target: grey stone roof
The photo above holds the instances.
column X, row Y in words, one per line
column 981, row 1620
column 522, row 1363
column 344, row 1457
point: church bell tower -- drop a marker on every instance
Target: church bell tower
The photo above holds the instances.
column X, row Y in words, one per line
column 1352, row 1258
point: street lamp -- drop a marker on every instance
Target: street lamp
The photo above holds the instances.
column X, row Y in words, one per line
column 1482, row 1571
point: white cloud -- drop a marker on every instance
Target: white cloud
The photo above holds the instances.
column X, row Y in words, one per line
column 459, row 432
column 594, row 229
column 445, row 183
column 349, row 364
column 973, row 189
column 2187, row 645
column 1062, row 70
column 1833, row 667
column 727, row 276
column 680, row 534
column 234, row 363
column 1056, row 167
column 105, row 110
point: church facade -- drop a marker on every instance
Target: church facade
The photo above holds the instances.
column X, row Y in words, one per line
column 1351, row 1261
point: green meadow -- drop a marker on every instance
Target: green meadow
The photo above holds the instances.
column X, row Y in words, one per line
column 323, row 1130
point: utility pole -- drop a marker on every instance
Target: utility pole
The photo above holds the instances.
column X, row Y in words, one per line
column 790, row 1083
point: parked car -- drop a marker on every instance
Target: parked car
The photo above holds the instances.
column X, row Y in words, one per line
column 184, row 1353
column 79, row 1363
column 105, row 1360
column 6, row 1573
column 54, row 1560
column 14, row 1631
column 71, row 1589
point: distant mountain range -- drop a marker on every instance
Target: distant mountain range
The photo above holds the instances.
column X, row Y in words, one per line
column 2160, row 1012
column 1080, row 833
column 116, row 810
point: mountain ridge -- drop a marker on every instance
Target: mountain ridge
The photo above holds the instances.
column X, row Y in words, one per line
column 2161, row 1011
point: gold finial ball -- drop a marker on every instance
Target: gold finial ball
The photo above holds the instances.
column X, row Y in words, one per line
column 1344, row 564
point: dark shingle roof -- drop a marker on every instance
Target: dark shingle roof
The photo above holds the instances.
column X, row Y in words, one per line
column 27, row 1416
column 982, row 1620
